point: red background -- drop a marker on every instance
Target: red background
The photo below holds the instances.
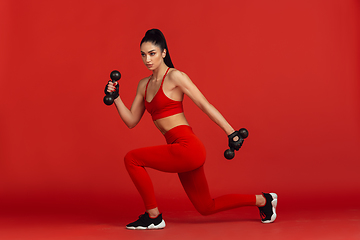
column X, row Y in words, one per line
column 288, row 71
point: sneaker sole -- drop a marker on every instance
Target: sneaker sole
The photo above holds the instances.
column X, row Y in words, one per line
column 151, row 226
column 274, row 205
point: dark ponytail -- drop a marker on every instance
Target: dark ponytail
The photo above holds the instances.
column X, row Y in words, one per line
column 156, row 37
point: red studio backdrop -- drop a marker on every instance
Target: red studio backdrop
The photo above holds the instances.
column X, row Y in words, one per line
column 288, row 71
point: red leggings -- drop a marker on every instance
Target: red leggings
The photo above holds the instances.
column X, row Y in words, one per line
column 184, row 154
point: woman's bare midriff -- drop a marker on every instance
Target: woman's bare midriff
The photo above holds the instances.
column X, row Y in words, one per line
column 167, row 123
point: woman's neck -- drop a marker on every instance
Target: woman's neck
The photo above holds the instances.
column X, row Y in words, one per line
column 159, row 73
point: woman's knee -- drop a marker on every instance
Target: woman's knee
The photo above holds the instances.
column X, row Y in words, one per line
column 204, row 210
column 204, row 207
column 129, row 158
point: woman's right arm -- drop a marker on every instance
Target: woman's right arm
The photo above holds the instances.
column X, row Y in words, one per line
column 132, row 116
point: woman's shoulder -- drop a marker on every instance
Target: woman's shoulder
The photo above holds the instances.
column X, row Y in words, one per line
column 144, row 81
column 176, row 75
column 142, row 84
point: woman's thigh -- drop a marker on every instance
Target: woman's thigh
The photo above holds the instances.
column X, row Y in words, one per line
column 174, row 158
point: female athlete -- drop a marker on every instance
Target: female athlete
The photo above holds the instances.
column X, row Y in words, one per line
column 161, row 94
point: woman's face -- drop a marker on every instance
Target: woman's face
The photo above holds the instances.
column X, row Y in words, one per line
column 152, row 55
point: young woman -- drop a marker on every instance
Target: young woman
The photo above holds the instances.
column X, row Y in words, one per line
column 161, row 95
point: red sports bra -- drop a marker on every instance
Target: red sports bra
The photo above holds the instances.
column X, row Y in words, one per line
column 161, row 106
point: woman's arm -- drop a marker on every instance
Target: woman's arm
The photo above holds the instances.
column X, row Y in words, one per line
column 189, row 88
column 132, row 116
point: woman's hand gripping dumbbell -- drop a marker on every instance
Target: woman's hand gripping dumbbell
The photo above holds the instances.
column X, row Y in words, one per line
column 236, row 140
column 112, row 88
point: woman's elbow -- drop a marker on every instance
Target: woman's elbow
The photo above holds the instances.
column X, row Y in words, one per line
column 132, row 124
column 206, row 107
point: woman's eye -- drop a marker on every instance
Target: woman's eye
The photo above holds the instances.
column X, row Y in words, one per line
column 152, row 54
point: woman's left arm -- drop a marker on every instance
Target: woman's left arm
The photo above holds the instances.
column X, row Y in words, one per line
column 189, row 88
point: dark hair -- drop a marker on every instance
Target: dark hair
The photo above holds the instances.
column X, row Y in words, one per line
column 156, row 37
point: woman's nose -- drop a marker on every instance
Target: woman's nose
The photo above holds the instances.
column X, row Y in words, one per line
column 148, row 58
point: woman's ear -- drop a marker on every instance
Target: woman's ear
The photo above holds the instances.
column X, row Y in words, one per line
column 164, row 53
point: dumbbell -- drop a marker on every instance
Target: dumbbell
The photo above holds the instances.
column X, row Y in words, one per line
column 109, row 98
column 229, row 153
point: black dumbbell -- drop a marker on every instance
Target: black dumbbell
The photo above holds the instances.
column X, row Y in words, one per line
column 229, row 153
column 109, row 98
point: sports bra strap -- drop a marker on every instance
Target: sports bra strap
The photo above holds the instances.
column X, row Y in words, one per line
column 147, row 86
column 161, row 82
column 164, row 77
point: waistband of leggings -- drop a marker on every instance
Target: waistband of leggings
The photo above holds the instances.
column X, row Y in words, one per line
column 176, row 132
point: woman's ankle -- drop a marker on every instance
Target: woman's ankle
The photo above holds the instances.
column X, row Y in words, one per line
column 153, row 213
column 260, row 201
